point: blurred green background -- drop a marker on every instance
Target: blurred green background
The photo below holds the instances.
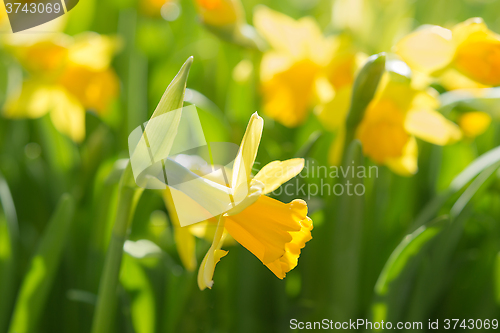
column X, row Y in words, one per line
column 378, row 265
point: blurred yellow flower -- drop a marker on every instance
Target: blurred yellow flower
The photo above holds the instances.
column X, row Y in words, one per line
column 153, row 7
column 66, row 76
column 218, row 13
column 273, row 231
column 4, row 20
column 341, row 73
column 474, row 123
column 470, row 48
column 397, row 114
column 303, row 67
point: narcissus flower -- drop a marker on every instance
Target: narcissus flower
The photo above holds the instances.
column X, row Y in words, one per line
column 273, row 231
column 470, row 48
column 303, row 67
column 393, row 119
column 67, row 75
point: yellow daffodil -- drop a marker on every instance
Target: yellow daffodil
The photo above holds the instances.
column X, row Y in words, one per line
column 299, row 54
column 470, row 48
column 393, row 119
column 273, row 231
column 303, row 67
column 67, row 75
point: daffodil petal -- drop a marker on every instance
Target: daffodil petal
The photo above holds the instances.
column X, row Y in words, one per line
column 245, row 159
column 289, row 91
column 427, row 49
column 452, row 79
column 381, row 132
column 431, row 126
column 213, row 256
column 95, row 89
column 333, row 114
column 43, row 56
column 276, row 173
column 406, row 165
column 473, row 27
column 93, row 50
column 34, row 101
column 68, row 115
column 300, row 39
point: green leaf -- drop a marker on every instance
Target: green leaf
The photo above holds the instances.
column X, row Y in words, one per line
column 459, row 182
column 142, row 296
column 484, row 99
column 32, row 298
column 346, row 244
column 8, row 252
column 128, row 196
column 432, row 279
column 173, row 97
column 497, row 278
column 400, row 258
column 394, row 285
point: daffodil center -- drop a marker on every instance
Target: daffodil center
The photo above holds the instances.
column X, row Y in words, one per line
column 254, row 192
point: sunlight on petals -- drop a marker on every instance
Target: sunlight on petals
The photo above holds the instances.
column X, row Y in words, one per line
column 433, row 127
column 68, row 115
column 428, row 49
column 276, row 173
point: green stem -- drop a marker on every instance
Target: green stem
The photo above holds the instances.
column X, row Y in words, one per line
column 364, row 90
column 128, row 197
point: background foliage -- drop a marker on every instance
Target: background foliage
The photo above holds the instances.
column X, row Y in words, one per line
column 425, row 247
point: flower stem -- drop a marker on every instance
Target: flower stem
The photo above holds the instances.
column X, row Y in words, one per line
column 128, row 197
